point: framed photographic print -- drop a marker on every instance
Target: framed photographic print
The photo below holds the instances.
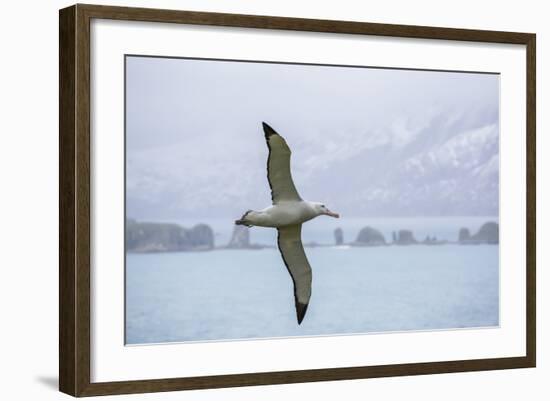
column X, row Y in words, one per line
column 250, row 200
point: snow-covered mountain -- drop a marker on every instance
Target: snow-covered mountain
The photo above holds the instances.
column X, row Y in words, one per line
column 367, row 142
column 440, row 170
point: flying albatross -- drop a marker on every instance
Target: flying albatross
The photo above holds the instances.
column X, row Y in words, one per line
column 287, row 214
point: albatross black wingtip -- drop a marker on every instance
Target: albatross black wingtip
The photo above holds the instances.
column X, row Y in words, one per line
column 300, row 311
column 268, row 130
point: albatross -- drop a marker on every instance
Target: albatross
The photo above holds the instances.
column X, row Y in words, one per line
column 287, row 214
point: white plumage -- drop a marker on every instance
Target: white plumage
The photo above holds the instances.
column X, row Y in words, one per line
column 287, row 214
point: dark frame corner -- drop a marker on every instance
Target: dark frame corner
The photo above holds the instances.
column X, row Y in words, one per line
column 74, row 199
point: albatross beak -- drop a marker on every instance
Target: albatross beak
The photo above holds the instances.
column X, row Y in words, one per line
column 332, row 214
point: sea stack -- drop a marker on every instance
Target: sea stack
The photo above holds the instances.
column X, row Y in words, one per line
column 405, row 237
column 369, row 236
column 339, row 236
column 202, row 237
column 240, row 238
column 463, row 235
column 488, row 234
column 167, row 237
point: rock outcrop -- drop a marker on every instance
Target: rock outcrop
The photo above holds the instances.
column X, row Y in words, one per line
column 405, row 237
column 202, row 236
column 240, row 239
column 369, row 236
column 433, row 241
column 487, row 234
column 338, row 236
column 463, row 234
column 167, row 237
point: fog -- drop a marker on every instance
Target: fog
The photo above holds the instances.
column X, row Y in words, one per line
column 365, row 141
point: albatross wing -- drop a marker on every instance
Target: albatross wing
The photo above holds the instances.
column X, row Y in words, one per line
column 278, row 168
column 292, row 251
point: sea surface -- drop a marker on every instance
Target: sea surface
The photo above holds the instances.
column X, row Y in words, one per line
column 247, row 294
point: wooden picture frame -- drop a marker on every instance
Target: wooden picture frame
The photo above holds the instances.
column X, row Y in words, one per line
column 75, row 207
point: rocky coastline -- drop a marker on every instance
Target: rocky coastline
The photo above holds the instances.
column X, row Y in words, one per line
column 149, row 237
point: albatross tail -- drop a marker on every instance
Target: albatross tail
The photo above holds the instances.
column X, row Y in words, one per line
column 242, row 221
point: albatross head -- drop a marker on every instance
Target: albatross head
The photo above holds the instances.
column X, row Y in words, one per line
column 320, row 209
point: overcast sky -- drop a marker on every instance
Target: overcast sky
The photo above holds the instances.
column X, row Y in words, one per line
column 367, row 142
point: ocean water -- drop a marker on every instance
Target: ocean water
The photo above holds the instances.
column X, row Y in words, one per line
column 247, row 294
